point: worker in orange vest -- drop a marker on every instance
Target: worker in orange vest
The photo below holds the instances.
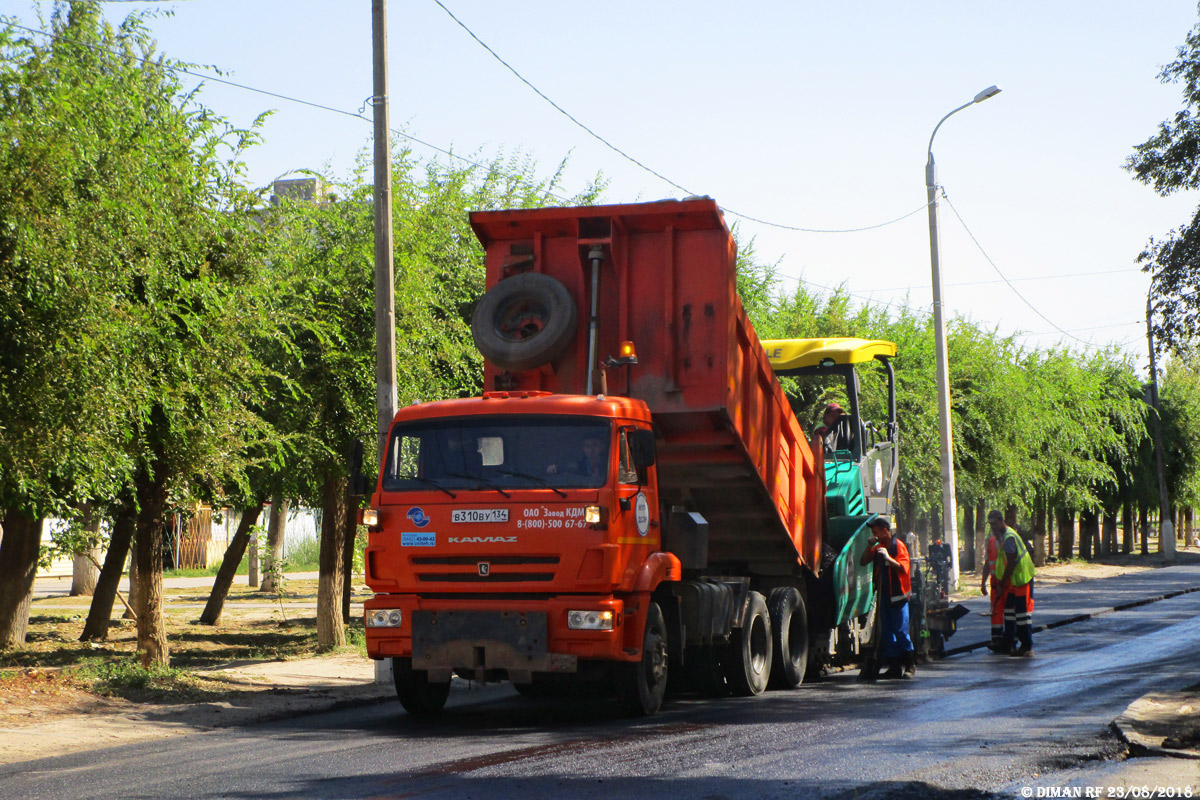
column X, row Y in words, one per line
column 1014, row 570
column 989, row 580
column 894, row 585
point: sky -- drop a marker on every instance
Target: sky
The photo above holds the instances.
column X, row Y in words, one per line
column 806, row 114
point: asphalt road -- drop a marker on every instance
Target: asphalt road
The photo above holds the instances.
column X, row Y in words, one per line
column 971, row 725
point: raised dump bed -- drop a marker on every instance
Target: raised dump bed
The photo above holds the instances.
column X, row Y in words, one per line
column 662, row 275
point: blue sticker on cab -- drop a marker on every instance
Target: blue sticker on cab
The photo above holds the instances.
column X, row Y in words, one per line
column 421, row 539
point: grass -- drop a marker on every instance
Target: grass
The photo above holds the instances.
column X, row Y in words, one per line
column 304, row 555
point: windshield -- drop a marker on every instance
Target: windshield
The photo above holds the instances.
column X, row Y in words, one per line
column 502, row 453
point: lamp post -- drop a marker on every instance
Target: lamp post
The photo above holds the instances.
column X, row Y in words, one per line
column 949, row 504
column 1166, row 528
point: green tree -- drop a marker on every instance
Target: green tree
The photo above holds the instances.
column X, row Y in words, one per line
column 1169, row 161
column 122, row 210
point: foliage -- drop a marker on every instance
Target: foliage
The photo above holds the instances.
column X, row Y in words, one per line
column 1030, row 426
column 1169, row 161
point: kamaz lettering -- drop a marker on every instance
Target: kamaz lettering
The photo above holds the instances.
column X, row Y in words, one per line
column 482, row 539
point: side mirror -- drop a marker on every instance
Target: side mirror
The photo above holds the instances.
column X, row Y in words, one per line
column 642, row 445
column 358, row 482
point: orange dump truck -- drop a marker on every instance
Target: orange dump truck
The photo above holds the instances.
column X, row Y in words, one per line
column 631, row 501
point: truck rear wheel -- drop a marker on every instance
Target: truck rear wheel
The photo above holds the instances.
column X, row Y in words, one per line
column 748, row 662
column 642, row 685
column 524, row 321
column 417, row 694
column 789, row 626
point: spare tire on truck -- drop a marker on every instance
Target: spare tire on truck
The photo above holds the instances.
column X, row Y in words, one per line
column 524, row 321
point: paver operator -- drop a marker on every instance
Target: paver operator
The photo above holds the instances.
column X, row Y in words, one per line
column 894, row 586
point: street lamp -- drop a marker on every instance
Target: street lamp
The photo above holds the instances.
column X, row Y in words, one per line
column 949, row 504
column 1166, row 528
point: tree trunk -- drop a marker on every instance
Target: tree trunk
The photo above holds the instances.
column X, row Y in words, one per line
column 1187, row 526
column 229, row 565
column 148, row 549
column 981, row 532
column 83, row 570
column 252, row 579
column 1109, row 536
column 1039, row 533
column 18, row 568
column 350, row 535
column 924, row 534
column 330, row 630
column 1144, row 526
column 1065, row 522
column 84, row 574
column 99, row 615
column 276, row 527
column 1010, row 516
column 1087, row 518
column 1049, row 532
column 968, row 528
column 1127, row 528
column 135, row 585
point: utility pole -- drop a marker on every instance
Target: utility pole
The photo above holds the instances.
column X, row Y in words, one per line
column 385, row 298
column 385, row 290
column 945, row 422
column 1166, row 527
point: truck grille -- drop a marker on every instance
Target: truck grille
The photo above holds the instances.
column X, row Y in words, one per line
column 495, row 572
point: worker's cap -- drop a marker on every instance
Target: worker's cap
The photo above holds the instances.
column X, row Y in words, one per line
column 880, row 522
column 995, row 515
column 832, row 407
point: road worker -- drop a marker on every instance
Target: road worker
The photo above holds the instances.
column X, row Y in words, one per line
column 1014, row 565
column 990, row 580
column 894, row 586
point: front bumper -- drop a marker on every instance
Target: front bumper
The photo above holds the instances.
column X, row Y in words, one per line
column 521, row 636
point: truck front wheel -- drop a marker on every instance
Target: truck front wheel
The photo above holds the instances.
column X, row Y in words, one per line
column 642, row 685
column 748, row 663
column 419, row 696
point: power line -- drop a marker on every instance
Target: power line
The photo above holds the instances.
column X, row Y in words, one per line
column 1005, row 278
column 863, row 297
column 1080, row 330
column 643, row 166
column 184, row 71
column 1026, row 278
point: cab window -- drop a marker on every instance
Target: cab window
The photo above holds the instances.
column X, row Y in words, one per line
column 626, row 471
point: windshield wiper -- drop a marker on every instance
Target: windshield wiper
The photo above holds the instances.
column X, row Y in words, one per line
column 535, row 479
column 483, row 481
column 430, row 482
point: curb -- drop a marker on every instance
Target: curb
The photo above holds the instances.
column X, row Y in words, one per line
column 1152, row 721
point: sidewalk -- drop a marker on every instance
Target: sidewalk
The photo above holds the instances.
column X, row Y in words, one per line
column 267, row 691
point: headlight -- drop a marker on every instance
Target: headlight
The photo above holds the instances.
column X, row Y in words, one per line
column 370, row 517
column 590, row 620
column 591, row 515
column 384, row 618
